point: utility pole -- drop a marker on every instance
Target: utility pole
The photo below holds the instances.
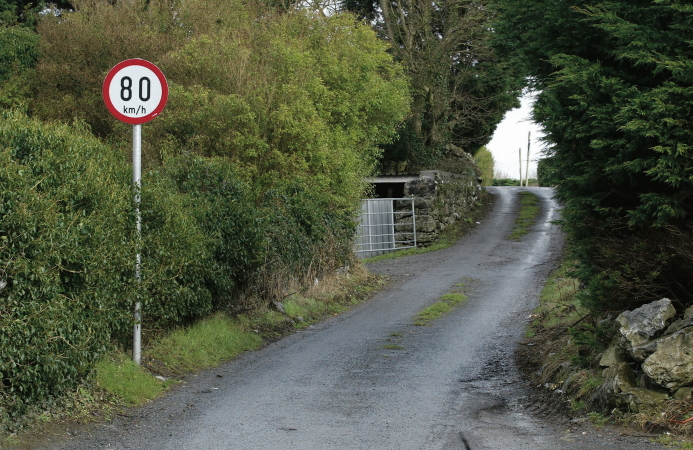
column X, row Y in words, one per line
column 520, row 149
column 529, row 135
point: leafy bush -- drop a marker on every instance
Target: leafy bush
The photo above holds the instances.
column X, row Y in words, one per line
column 64, row 202
column 223, row 206
column 280, row 95
column 19, row 52
column 484, row 159
column 305, row 237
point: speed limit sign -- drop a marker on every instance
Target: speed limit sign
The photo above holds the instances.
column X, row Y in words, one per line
column 135, row 91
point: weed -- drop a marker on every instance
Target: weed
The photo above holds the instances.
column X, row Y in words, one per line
column 121, row 377
column 435, row 311
column 392, row 347
column 598, row 419
column 529, row 210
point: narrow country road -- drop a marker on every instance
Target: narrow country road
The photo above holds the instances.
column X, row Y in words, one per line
column 337, row 385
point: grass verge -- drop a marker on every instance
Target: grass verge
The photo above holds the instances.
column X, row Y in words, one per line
column 527, row 217
column 133, row 384
column 208, row 343
column 561, row 352
column 117, row 383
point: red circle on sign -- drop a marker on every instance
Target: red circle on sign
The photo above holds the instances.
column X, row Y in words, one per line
column 123, row 115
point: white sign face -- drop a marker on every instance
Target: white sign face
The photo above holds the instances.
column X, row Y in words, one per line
column 135, row 91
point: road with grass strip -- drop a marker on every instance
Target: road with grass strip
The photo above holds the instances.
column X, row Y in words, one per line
column 425, row 364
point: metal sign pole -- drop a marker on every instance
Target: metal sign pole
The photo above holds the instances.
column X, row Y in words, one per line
column 135, row 91
column 137, row 185
column 529, row 136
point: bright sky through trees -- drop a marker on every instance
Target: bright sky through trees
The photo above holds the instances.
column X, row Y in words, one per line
column 510, row 135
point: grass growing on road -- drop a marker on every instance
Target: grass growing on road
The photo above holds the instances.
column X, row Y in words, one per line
column 444, row 305
column 529, row 210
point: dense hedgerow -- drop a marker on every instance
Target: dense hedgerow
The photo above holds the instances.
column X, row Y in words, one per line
column 67, row 250
column 64, row 202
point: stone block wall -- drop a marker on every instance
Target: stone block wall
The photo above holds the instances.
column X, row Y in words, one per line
column 440, row 200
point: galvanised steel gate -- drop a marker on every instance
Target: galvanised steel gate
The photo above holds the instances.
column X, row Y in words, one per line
column 386, row 224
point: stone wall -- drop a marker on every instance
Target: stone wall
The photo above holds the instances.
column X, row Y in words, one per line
column 440, row 200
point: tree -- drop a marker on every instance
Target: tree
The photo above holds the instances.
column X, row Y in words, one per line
column 460, row 87
column 615, row 104
column 285, row 96
column 26, row 13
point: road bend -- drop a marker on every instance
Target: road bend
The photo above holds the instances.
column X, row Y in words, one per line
column 370, row 378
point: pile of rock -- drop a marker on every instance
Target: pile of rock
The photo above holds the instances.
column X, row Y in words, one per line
column 649, row 360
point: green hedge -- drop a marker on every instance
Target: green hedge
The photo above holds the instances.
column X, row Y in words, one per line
column 63, row 257
column 67, row 250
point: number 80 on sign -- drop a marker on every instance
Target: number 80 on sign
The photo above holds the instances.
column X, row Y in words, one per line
column 135, row 91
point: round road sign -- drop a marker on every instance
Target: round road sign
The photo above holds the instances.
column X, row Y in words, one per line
column 135, row 91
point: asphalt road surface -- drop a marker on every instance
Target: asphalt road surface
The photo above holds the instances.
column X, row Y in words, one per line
column 371, row 379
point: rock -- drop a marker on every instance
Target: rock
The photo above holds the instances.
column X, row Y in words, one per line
column 613, row 355
column 425, row 224
column 617, row 378
column 671, row 365
column 636, row 400
column 684, row 393
column 421, row 187
column 682, row 323
column 641, row 352
column 645, row 323
column 279, row 306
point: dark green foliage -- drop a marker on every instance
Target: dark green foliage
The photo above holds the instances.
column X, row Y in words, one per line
column 63, row 216
column 18, row 56
column 547, row 174
column 225, row 210
column 305, row 237
column 615, row 104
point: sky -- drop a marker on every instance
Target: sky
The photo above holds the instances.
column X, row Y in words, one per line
column 511, row 135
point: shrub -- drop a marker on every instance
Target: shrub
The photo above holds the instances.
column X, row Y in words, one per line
column 484, row 159
column 19, row 52
column 64, row 258
column 223, row 206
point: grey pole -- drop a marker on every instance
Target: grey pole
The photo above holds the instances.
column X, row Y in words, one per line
column 529, row 135
column 137, row 184
column 520, row 152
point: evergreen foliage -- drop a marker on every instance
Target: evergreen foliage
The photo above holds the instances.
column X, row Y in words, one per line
column 615, row 104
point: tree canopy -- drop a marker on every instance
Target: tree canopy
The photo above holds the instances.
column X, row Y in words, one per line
column 615, row 86
column 282, row 95
column 461, row 89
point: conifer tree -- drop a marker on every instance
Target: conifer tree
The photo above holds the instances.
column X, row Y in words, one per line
column 616, row 89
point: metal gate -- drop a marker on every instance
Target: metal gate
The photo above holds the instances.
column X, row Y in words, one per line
column 385, row 225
